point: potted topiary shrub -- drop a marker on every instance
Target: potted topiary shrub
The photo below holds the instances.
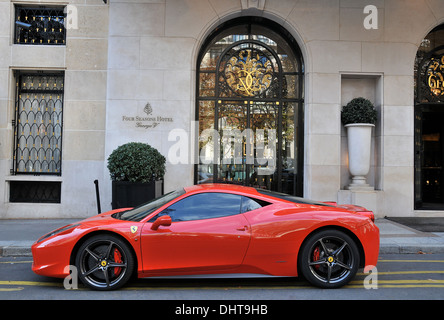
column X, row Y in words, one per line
column 137, row 171
column 359, row 117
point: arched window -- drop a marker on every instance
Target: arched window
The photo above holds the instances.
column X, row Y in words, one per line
column 250, row 107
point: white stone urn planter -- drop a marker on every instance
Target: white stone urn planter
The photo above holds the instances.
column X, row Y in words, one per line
column 359, row 137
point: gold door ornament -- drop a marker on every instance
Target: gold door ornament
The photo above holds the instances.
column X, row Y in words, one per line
column 249, row 72
column 435, row 76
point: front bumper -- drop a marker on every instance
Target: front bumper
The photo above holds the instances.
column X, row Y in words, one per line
column 369, row 236
column 51, row 257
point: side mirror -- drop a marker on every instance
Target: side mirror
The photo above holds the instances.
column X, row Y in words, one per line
column 161, row 221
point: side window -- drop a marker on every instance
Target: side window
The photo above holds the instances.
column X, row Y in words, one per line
column 249, row 204
column 203, row 206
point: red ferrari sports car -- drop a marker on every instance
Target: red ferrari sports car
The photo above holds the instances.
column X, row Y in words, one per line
column 214, row 229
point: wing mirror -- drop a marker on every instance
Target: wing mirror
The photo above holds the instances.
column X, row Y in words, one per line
column 164, row 221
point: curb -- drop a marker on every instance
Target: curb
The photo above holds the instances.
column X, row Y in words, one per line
column 13, row 251
column 413, row 249
column 16, row 248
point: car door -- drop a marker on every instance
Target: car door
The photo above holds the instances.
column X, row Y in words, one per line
column 207, row 232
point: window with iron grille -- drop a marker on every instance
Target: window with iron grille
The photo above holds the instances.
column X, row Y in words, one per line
column 35, row 191
column 38, row 123
column 39, row 25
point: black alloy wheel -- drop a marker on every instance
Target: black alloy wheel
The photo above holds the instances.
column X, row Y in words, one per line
column 104, row 262
column 329, row 259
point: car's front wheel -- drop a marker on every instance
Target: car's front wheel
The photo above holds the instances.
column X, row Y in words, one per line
column 104, row 262
column 329, row 259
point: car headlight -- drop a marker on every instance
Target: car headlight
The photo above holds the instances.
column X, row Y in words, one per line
column 57, row 231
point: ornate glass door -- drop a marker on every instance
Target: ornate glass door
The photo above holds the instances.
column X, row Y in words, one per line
column 248, row 140
column 429, row 119
column 249, row 109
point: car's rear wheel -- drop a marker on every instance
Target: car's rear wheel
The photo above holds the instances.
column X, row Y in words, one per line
column 104, row 262
column 329, row 259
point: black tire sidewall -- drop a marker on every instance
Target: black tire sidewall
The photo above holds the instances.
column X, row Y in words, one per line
column 125, row 248
column 305, row 252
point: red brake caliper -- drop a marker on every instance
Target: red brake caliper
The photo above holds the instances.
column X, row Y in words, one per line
column 316, row 256
column 117, row 259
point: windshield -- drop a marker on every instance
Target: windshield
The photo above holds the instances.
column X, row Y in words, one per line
column 145, row 209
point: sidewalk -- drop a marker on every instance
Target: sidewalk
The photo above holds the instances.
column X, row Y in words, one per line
column 17, row 236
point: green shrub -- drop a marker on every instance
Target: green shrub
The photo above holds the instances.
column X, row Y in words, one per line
column 136, row 162
column 359, row 110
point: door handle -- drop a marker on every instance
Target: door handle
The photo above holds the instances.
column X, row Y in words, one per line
column 244, row 228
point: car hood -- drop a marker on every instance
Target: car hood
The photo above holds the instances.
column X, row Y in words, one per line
column 102, row 216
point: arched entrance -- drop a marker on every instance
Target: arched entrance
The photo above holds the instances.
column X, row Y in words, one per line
column 429, row 122
column 249, row 104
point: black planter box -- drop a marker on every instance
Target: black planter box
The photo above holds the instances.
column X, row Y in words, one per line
column 127, row 194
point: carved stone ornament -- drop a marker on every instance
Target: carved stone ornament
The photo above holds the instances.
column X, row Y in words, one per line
column 253, row 4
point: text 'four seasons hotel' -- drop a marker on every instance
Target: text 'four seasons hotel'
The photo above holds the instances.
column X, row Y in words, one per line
column 236, row 91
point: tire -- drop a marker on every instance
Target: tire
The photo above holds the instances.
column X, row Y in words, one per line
column 329, row 259
column 104, row 262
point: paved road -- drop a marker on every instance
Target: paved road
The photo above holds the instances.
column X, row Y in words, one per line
column 398, row 276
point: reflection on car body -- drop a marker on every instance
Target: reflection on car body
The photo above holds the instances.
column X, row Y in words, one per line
column 214, row 229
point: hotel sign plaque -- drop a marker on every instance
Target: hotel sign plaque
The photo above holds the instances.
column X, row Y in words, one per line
column 146, row 122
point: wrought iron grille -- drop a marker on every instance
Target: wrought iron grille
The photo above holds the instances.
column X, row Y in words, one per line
column 39, row 26
column 38, row 124
column 248, row 72
column 35, row 191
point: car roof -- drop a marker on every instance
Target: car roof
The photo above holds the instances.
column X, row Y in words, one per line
column 225, row 187
column 220, row 187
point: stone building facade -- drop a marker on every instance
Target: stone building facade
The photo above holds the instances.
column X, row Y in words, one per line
column 147, row 70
